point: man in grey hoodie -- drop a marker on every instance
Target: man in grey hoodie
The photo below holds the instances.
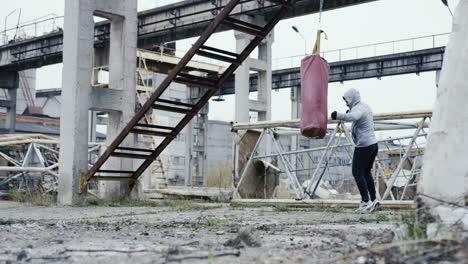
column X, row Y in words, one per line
column 366, row 147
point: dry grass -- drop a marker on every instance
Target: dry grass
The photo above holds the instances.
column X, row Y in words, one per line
column 220, row 175
column 35, row 197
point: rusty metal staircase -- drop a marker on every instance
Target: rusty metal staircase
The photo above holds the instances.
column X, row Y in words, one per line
column 180, row 74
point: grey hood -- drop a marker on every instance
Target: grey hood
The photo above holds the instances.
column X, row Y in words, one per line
column 361, row 116
column 353, row 97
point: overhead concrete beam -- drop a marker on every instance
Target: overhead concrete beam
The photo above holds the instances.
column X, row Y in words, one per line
column 403, row 63
column 178, row 21
column 374, row 67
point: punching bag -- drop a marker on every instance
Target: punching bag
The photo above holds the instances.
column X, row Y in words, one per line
column 314, row 94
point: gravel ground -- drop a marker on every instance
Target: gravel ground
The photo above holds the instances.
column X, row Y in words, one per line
column 211, row 233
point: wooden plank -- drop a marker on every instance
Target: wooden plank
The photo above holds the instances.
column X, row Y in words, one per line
column 216, row 194
column 296, row 122
column 322, row 203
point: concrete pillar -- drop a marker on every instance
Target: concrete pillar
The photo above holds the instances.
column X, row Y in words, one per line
column 10, row 80
column 10, row 122
column 122, row 67
column 78, row 96
column 445, row 174
column 241, row 81
column 264, row 69
column 188, row 152
column 437, row 78
column 77, row 67
column 262, row 65
column 27, row 91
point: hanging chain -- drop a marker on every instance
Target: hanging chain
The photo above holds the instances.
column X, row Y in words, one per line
column 320, row 14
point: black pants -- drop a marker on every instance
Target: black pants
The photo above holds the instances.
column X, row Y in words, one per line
column 363, row 160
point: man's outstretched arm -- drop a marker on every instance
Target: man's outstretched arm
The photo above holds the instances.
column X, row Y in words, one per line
column 352, row 115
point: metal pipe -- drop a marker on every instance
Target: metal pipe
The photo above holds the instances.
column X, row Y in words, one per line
column 296, row 122
column 41, row 141
column 322, row 159
column 30, row 169
column 377, row 127
column 400, row 165
column 287, row 166
column 323, row 148
column 6, row 18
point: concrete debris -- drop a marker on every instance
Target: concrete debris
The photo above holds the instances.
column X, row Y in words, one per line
column 245, row 238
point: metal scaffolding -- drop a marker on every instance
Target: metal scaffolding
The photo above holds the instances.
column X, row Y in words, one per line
column 30, row 162
column 397, row 166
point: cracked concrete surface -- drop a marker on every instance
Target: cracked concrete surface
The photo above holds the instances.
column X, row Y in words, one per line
column 168, row 235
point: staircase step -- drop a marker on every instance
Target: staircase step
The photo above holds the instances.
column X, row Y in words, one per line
column 151, row 133
column 232, row 54
column 171, row 109
column 244, row 27
column 194, row 83
column 175, row 102
column 135, row 149
column 112, row 178
column 116, row 171
column 131, row 156
column 219, row 57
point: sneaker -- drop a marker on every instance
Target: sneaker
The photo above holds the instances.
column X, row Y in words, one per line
column 374, row 206
column 363, row 206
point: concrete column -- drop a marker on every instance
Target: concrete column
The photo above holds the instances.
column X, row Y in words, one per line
column 262, row 65
column 122, row 67
column 27, row 92
column 10, row 122
column 241, row 81
column 79, row 97
column 188, row 152
column 203, row 134
column 77, row 69
column 445, row 174
column 10, row 80
column 265, row 77
column 295, row 102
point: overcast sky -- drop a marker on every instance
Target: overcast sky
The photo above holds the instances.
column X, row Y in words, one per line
column 380, row 21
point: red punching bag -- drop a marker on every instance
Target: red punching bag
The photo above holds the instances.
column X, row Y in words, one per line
column 314, row 94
